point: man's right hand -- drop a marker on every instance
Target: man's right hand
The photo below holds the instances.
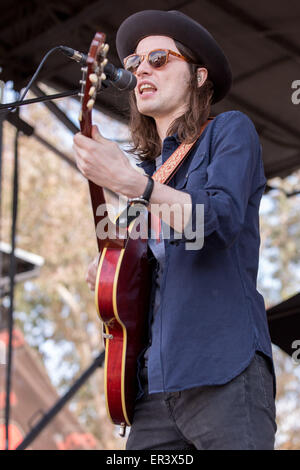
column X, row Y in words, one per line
column 92, row 273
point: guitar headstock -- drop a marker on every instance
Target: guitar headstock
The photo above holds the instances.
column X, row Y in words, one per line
column 92, row 76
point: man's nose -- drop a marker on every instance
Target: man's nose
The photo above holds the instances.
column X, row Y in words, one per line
column 144, row 67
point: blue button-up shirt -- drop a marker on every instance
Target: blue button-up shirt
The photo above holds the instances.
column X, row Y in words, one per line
column 211, row 318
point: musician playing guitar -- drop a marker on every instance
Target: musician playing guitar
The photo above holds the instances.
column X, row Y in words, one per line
column 206, row 376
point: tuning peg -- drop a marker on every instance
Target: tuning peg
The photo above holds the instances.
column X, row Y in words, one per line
column 93, row 78
column 105, row 48
column 90, row 104
column 92, row 90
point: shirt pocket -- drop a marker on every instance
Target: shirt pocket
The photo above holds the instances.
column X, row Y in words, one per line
column 195, row 174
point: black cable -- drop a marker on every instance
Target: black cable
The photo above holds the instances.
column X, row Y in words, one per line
column 36, row 74
column 12, row 272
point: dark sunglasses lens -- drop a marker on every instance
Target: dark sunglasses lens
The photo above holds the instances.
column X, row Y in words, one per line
column 133, row 63
column 157, row 58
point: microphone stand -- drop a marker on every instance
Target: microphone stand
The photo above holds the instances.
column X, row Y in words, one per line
column 5, row 110
column 7, row 106
column 16, row 104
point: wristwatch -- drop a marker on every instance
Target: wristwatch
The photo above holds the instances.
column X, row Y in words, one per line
column 145, row 197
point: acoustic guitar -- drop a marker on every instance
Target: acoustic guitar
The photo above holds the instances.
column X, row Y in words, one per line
column 123, row 276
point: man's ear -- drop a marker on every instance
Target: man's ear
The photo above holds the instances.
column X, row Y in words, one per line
column 201, row 76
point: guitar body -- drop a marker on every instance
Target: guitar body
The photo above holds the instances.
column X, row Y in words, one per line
column 122, row 296
column 123, row 277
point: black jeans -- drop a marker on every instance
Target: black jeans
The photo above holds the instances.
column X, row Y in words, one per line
column 239, row 415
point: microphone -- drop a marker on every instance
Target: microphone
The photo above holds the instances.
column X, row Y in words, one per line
column 120, row 78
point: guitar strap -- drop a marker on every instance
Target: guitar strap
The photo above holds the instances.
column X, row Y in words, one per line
column 163, row 175
column 166, row 172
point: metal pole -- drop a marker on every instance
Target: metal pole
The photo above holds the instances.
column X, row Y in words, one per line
column 39, row 99
column 2, row 85
column 12, row 272
column 38, row 428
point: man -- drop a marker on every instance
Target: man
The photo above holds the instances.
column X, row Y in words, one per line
column 206, row 377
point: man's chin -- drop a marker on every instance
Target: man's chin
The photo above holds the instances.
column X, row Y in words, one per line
column 150, row 111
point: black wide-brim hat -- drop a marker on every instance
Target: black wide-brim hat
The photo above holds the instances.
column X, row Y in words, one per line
column 184, row 29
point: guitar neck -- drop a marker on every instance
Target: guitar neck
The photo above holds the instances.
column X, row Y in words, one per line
column 90, row 84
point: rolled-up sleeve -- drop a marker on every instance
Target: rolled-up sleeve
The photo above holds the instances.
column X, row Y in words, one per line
column 231, row 178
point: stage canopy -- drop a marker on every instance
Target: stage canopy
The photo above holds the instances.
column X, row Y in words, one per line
column 261, row 40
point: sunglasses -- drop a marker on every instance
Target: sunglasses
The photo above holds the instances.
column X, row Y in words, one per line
column 157, row 58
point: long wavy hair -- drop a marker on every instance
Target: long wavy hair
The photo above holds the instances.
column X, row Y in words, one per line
column 145, row 139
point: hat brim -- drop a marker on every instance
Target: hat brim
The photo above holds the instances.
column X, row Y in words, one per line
column 184, row 29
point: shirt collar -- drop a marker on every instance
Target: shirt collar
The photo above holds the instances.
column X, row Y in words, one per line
column 170, row 143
